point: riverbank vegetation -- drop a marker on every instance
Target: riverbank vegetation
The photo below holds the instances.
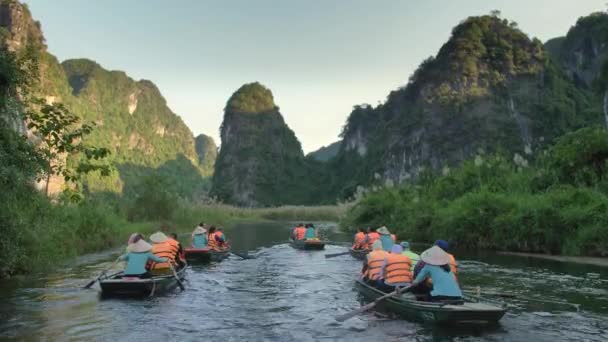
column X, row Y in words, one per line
column 555, row 204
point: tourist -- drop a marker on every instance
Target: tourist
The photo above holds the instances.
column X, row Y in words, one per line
column 137, row 256
column 163, row 248
column 407, row 252
column 360, row 239
column 385, row 238
column 437, row 268
column 311, row 232
column 372, row 268
column 199, row 238
column 396, row 269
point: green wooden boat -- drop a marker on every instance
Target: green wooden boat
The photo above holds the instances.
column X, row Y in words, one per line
column 358, row 253
column 118, row 285
column 472, row 311
column 308, row 244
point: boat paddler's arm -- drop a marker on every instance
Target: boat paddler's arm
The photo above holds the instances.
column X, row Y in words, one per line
column 124, row 257
column 156, row 259
column 421, row 276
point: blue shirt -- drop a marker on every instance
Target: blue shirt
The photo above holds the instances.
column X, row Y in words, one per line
column 310, row 233
column 444, row 283
column 136, row 262
column 199, row 241
column 387, row 242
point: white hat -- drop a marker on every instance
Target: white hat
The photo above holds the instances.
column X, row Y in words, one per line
column 140, row 246
column 383, row 230
column 435, row 256
column 199, row 230
column 158, row 237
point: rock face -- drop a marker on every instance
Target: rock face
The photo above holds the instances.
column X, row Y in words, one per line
column 490, row 88
column 206, row 149
column 132, row 117
column 326, row 153
column 260, row 161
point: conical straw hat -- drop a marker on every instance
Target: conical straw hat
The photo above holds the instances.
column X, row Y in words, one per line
column 199, row 231
column 140, row 246
column 435, row 256
column 158, row 237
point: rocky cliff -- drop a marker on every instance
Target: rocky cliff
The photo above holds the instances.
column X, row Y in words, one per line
column 260, row 162
column 206, row 149
column 132, row 118
column 489, row 88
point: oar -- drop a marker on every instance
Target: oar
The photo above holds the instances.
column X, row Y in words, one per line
column 327, row 256
column 179, row 282
column 243, row 256
column 371, row 305
column 101, row 274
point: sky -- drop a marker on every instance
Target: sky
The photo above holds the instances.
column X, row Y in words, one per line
column 319, row 57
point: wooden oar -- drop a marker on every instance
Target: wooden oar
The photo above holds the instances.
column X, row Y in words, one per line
column 179, row 282
column 327, row 256
column 101, row 274
column 243, row 256
column 369, row 306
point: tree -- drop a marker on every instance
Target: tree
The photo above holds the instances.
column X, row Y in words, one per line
column 61, row 137
column 496, row 13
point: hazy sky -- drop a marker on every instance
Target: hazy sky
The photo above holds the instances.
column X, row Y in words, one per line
column 319, row 57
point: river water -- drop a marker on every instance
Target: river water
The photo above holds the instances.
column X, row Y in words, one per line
column 291, row 295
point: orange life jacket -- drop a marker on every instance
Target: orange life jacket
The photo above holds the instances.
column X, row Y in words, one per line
column 372, row 237
column 300, row 233
column 166, row 250
column 212, row 242
column 398, row 269
column 374, row 264
column 359, row 240
column 175, row 245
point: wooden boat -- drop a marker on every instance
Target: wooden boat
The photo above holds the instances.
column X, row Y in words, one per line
column 206, row 254
column 470, row 311
column 308, row 244
column 118, row 285
column 194, row 255
column 358, row 253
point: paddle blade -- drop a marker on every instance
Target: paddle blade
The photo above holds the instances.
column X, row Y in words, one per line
column 354, row 313
column 243, row 256
column 327, row 256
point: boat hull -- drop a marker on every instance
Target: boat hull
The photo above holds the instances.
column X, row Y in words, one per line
column 205, row 255
column 470, row 312
column 309, row 245
column 359, row 254
column 136, row 287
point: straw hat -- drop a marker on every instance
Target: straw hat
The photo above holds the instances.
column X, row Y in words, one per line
column 435, row 256
column 140, row 246
column 158, row 237
column 383, row 230
column 199, row 230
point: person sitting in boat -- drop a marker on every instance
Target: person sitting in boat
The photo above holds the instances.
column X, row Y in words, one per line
column 299, row 232
column 164, row 248
column 437, row 268
column 396, row 269
column 311, row 232
column 214, row 241
column 385, row 238
column 372, row 268
column 138, row 254
column 199, row 238
column 360, row 237
column 181, row 257
column 372, row 236
column 453, row 264
column 408, row 252
column 219, row 232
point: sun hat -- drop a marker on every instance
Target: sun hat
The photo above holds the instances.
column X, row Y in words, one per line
column 396, row 249
column 405, row 245
column 158, row 237
column 435, row 256
column 199, row 230
column 383, row 230
column 442, row 244
column 376, row 245
column 140, row 246
column 134, row 238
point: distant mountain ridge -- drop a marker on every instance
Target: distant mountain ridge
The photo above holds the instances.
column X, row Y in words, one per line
column 132, row 117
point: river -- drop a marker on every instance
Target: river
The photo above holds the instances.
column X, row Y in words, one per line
column 291, row 295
